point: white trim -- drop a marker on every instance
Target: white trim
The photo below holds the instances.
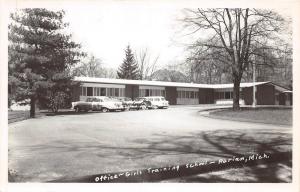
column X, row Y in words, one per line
column 228, row 101
column 151, row 87
column 102, row 85
column 187, row 89
column 160, row 83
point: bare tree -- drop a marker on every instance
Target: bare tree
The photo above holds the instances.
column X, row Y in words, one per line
column 232, row 34
column 205, row 67
column 147, row 65
column 92, row 67
column 108, row 73
column 172, row 72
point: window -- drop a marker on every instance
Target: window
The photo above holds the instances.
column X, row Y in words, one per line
column 147, row 93
column 193, row 94
column 142, row 93
column 89, row 91
column 117, row 92
column 112, row 92
column 227, row 95
column 83, row 91
column 187, row 94
column 89, row 100
column 122, row 90
column 103, row 92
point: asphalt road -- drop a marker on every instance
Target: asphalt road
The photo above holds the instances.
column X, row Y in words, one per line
column 75, row 145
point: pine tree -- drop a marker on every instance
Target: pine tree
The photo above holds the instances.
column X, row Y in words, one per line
column 129, row 67
column 40, row 57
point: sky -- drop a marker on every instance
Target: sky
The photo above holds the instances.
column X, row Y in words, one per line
column 105, row 31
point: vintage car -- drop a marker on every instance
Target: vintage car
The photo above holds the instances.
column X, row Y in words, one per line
column 102, row 103
column 140, row 103
column 157, row 102
column 87, row 105
column 126, row 102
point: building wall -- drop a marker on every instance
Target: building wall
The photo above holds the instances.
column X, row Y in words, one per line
column 206, row 96
column 265, row 95
column 76, row 93
column 171, row 95
column 247, row 95
column 132, row 91
column 291, row 98
column 282, row 98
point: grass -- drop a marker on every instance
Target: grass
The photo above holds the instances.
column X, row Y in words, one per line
column 260, row 115
column 15, row 116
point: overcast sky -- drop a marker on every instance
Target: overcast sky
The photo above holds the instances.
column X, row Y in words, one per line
column 105, row 31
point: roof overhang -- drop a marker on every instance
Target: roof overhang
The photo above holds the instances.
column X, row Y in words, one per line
column 172, row 84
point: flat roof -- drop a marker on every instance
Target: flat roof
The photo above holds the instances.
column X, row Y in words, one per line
column 162, row 83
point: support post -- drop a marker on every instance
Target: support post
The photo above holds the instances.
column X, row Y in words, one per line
column 254, row 87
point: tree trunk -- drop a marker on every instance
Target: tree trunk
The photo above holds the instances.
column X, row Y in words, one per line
column 236, row 95
column 32, row 107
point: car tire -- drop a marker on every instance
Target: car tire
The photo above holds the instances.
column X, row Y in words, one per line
column 104, row 110
column 77, row 110
column 143, row 107
column 154, row 107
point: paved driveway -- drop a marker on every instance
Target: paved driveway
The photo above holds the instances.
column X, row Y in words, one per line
column 74, row 145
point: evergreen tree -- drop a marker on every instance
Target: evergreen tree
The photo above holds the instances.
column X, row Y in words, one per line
column 129, row 67
column 40, row 57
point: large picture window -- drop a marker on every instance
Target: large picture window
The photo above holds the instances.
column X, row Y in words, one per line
column 187, row 94
column 223, row 95
column 101, row 91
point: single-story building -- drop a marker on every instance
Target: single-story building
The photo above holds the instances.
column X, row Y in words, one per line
column 267, row 93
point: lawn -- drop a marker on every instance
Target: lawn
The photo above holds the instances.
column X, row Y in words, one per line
column 282, row 116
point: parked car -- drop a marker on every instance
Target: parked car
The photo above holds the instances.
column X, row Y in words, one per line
column 140, row 103
column 110, row 104
column 102, row 103
column 157, row 102
column 87, row 105
column 126, row 102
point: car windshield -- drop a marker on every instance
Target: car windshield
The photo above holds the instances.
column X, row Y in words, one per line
column 107, row 99
column 89, row 99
